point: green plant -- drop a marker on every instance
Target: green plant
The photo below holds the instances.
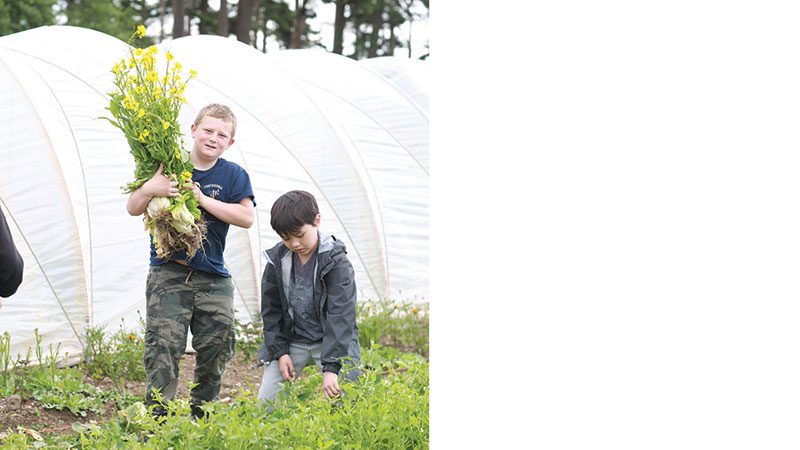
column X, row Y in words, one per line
column 114, row 355
column 402, row 325
column 248, row 338
column 386, row 408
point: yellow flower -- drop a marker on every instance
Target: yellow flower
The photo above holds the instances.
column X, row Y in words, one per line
column 143, row 135
column 138, row 52
column 152, row 49
column 157, row 92
column 130, row 103
column 186, row 175
column 141, row 114
column 139, row 89
column 165, row 125
column 117, row 67
column 169, row 56
column 192, row 73
column 147, row 60
column 414, row 310
column 140, row 31
column 152, row 76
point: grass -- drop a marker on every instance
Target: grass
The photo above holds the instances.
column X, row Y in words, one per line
column 387, row 408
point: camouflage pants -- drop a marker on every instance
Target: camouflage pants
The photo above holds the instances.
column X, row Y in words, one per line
column 179, row 298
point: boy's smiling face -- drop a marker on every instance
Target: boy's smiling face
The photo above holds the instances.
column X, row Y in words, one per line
column 212, row 136
column 304, row 241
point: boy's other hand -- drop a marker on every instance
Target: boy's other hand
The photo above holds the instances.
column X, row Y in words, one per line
column 330, row 384
column 287, row 368
column 195, row 187
column 160, row 185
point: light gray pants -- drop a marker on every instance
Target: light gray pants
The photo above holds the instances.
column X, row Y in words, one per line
column 301, row 355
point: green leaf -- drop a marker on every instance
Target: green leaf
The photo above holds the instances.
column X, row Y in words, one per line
column 111, row 122
column 113, row 106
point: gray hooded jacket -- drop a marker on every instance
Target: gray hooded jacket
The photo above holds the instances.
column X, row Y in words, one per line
column 335, row 297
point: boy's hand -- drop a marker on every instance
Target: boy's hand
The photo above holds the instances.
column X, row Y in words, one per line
column 287, row 368
column 330, row 384
column 160, row 185
column 197, row 192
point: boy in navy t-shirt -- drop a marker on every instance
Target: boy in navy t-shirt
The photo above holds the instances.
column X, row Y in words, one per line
column 196, row 292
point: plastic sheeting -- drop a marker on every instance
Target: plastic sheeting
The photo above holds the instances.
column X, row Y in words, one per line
column 352, row 134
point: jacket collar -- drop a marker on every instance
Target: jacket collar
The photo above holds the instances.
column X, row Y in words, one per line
column 327, row 247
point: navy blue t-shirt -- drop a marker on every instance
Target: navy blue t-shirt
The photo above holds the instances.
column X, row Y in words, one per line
column 227, row 182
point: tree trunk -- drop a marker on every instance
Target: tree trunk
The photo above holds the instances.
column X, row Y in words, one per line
column 298, row 30
column 265, row 34
column 244, row 21
column 202, row 27
column 410, row 25
column 390, row 51
column 377, row 24
column 179, row 16
column 222, row 18
column 338, row 27
column 162, row 14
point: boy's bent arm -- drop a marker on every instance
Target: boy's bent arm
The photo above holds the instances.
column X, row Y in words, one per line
column 275, row 341
column 241, row 214
column 341, row 316
column 157, row 186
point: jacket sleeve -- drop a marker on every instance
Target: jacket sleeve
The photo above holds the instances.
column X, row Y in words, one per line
column 275, row 340
column 341, row 315
column 11, row 263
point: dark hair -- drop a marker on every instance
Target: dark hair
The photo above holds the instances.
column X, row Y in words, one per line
column 291, row 211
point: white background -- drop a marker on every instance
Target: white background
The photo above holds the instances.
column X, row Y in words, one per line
column 615, row 227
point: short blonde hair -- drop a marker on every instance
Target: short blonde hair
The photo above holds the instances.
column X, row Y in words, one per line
column 220, row 112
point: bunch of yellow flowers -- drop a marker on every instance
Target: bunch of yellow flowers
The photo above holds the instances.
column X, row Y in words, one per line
column 145, row 105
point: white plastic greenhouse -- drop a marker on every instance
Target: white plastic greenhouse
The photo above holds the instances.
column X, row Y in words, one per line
column 354, row 134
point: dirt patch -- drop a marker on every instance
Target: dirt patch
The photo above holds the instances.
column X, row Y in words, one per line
column 31, row 414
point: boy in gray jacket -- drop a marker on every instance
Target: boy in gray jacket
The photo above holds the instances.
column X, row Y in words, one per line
column 308, row 300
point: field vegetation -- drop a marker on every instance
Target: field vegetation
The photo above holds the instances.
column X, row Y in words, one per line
column 98, row 403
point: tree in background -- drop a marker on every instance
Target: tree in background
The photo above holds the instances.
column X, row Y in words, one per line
column 302, row 36
column 244, row 21
column 179, row 19
column 373, row 24
column 198, row 13
column 275, row 19
column 339, row 24
column 368, row 18
column 223, row 22
column 17, row 15
column 113, row 17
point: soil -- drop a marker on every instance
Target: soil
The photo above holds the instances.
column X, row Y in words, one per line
column 31, row 415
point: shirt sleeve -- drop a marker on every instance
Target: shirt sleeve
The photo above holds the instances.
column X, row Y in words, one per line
column 241, row 187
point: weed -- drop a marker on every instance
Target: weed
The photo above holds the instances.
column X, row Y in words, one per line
column 248, row 338
column 401, row 325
